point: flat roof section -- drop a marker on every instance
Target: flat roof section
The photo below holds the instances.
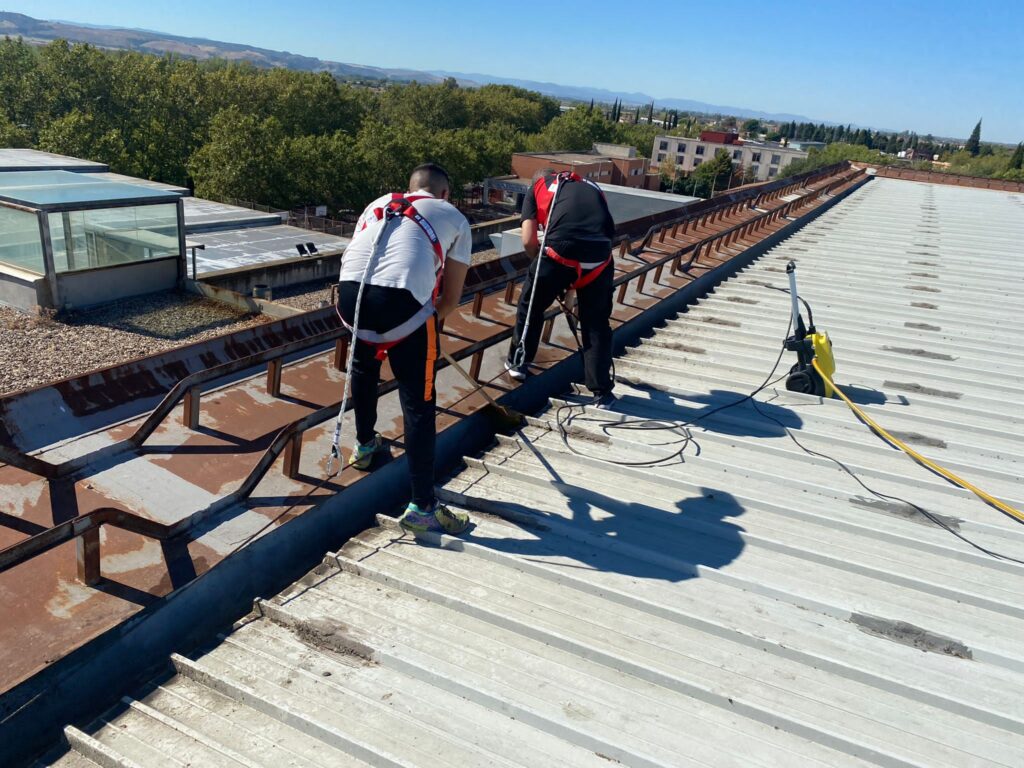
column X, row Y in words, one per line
column 207, row 215
column 56, row 190
column 625, row 203
column 231, row 249
column 35, row 160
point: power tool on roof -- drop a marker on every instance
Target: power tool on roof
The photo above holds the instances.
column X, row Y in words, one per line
column 809, row 345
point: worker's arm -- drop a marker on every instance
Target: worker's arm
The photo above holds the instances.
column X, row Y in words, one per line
column 454, row 282
column 529, row 234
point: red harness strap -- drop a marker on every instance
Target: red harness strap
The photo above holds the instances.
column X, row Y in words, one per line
column 402, row 205
column 544, row 192
column 582, row 280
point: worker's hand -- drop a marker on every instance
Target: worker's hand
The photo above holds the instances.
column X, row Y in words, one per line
column 529, row 235
column 454, row 281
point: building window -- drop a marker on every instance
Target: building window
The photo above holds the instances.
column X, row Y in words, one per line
column 681, row 148
column 21, row 245
column 699, row 150
column 772, row 172
column 663, row 145
column 755, row 169
column 755, row 157
column 776, row 159
column 680, row 159
column 109, row 236
column 697, row 162
column 661, row 156
column 737, row 154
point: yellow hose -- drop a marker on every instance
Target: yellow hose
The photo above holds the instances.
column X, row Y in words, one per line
column 923, row 460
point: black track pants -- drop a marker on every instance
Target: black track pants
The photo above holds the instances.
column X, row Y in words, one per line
column 595, row 309
column 413, row 362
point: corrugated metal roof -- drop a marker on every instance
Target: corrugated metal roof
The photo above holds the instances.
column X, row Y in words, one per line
column 746, row 605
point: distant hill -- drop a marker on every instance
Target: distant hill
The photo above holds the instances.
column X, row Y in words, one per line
column 583, row 93
column 147, row 41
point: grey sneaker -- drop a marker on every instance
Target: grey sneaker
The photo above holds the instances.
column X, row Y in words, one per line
column 362, row 454
column 435, row 519
column 605, row 402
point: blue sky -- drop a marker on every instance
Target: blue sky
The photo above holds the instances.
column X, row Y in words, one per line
column 934, row 67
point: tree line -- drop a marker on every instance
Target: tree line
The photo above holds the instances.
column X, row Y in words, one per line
column 277, row 136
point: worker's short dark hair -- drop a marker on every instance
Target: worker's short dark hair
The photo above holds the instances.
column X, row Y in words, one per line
column 431, row 177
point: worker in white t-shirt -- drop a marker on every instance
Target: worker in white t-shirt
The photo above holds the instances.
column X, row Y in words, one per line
column 416, row 279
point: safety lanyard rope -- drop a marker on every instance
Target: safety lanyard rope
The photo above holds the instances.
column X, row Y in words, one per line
column 400, row 206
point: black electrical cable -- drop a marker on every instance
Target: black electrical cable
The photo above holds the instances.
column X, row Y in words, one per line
column 678, row 427
column 687, row 437
column 885, row 496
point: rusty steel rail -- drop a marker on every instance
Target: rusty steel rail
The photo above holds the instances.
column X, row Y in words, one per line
column 85, row 531
column 187, row 389
column 288, row 441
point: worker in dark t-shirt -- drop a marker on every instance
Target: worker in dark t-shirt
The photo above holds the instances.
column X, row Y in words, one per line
column 579, row 230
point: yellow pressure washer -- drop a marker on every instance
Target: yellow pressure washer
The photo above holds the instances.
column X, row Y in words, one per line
column 810, row 345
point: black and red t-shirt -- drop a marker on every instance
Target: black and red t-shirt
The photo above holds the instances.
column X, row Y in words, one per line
column 581, row 213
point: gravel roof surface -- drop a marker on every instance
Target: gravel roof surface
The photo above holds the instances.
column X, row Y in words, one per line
column 38, row 350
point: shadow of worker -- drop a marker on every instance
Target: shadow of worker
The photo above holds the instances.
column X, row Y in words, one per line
column 664, row 540
column 721, row 411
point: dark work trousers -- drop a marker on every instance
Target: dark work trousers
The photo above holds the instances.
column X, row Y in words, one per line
column 413, row 362
column 595, row 309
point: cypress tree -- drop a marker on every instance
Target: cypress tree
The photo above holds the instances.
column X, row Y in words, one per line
column 973, row 145
column 1017, row 158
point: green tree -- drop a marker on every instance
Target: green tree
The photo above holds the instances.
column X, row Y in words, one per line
column 1017, row 158
column 973, row 145
column 834, row 153
column 20, row 92
column 751, row 127
column 244, row 158
column 81, row 134
column 712, row 176
column 431, row 107
column 12, row 135
column 577, row 129
column 518, row 108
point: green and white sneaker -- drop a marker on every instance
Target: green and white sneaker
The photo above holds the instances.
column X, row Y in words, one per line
column 362, row 456
column 435, row 519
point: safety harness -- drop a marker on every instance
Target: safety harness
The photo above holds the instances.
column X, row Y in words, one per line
column 402, row 206
column 545, row 193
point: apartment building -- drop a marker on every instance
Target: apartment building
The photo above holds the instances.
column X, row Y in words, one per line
column 765, row 158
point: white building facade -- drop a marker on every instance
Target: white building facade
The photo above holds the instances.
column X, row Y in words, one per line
column 765, row 158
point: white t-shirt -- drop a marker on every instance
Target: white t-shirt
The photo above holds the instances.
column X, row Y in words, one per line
column 407, row 259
